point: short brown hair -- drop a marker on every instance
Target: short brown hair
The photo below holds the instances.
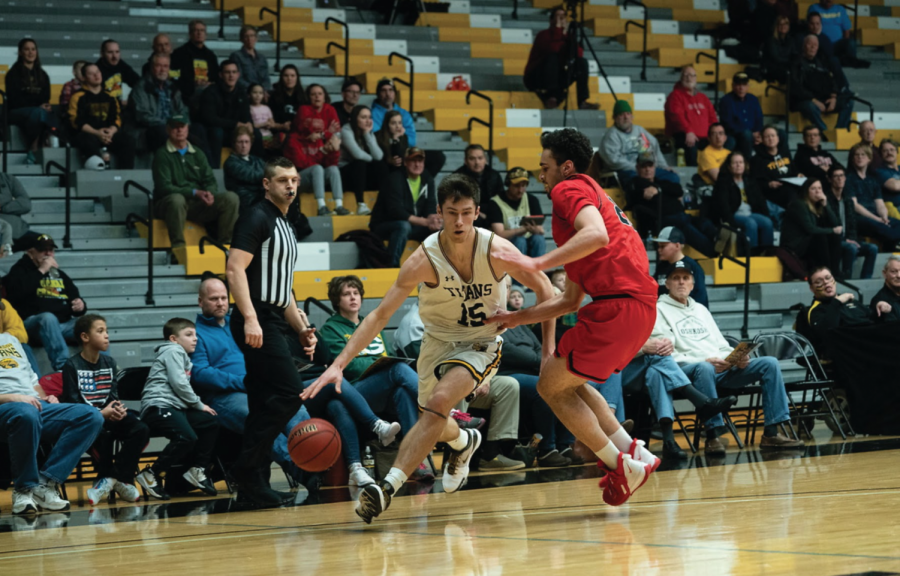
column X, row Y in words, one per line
column 274, row 163
column 337, row 284
column 860, row 146
column 456, row 187
column 243, row 130
column 174, row 327
column 84, row 324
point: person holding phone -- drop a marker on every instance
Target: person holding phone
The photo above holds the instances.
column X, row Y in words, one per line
column 516, row 215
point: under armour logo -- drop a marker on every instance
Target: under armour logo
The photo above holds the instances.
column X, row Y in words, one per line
column 449, row 278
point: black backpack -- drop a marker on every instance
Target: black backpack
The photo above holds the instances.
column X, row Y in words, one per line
column 372, row 253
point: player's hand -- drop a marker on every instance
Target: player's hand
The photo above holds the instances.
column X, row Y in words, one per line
column 209, row 410
column 516, row 260
column 308, row 340
column 253, row 335
column 504, row 319
column 333, row 375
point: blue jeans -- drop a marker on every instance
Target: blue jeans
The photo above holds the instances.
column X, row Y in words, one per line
column 809, row 111
column 32, row 359
column 397, row 232
column 611, row 390
column 345, row 411
column 535, row 415
column 776, row 214
column 45, row 329
column 661, row 375
column 867, row 250
column 765, row 370
column 888, row 233
column 758, row 229
column 626, row 176
column 32, row 121
column 71, row 428
column 699, row 232
column 393, row 391
column 534, row 246
column 232, row 411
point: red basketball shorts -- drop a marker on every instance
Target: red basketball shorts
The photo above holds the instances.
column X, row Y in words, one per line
column 607, row 336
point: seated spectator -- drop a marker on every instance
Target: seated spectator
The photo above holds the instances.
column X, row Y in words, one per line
column 161, row 45
column 889, row 175
column 742, row 115
column 830, row 310
column 625, row 142
column 811, row 159
column 408, row 335
column 700, row 351
column 393, row 141
column 97, row 121
column 737, row 201
column 867, row 134
column 669, row 250
column 314, row 146
column 14, row 203
column 872, row 214
column 844, row 208
column 71, row 87
column 393, row 390
column 362, row 160
column 689, row 114
column 384, row 103
column 252, row 64
column 196, row 66
column 476, row 167
column 815, row 88
column 836, row 26
column 651, row 198
column 90, row 378
column 506, row 210
column 45, row 297
column 779, row 51
column 262, row 118
column 116, row 71
column 350, row 92
column 286, row 98
column 711, row 158
column 27, row 418
column 890, row 292
column 11, row 323
column 814, row 28
column 406, row 208
column 184, row 188
column 170, row 408
column 770, row 166
column 28, row 98
column 223, row 107
column 155, row 100
column 243, row 171
column 545, row 72
column 811, row 231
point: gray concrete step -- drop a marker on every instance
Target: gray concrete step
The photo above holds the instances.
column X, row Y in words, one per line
column 127, row 288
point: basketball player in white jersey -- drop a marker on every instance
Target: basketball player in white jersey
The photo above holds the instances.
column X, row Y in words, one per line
column 460, row 286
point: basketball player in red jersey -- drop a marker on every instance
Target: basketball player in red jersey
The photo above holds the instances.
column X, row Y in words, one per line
column 604, row 258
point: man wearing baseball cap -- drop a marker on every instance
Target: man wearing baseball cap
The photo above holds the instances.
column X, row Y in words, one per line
column 45, row 297
column 741, row 114
column 510, row 215
column 385, row 100
column 669, row 246
column 625, row 141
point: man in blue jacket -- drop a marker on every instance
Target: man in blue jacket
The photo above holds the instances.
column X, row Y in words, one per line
column 741, row 114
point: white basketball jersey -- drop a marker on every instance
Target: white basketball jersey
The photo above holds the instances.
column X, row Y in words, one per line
column 455, row 310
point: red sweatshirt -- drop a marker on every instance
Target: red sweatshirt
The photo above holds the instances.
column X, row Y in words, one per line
column 304, row 152
column 686, row 113
column 549, row 41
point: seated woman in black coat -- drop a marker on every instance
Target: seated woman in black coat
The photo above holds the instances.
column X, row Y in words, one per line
column 737, row 201
column 811, row 231
column 779, row 51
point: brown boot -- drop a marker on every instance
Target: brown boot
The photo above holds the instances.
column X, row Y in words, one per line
column 714, row 447
column 780, row 441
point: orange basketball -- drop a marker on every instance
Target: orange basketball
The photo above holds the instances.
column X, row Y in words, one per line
column 314, row 445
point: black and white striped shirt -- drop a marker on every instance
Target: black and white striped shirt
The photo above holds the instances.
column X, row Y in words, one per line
column 264, row 232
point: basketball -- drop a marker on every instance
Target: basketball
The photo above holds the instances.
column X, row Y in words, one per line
column 314, row 445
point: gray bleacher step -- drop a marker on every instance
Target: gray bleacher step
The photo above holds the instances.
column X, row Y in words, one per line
column 722, row 293
column 153, row 333
column 127, row 319
column 721, row 306
column 731, row 321
column 133, row 302
column 76, row 217
column 132, row 287
column 58, row 206
column 105, row 243
column 48, row 193
column 418, row 33
column 107, row 258
column 131, row 271
column 434, row 48
column 89, row 231
column 38, row 181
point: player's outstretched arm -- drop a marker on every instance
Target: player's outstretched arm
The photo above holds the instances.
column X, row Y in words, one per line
column 417, row 269
column 568, row 301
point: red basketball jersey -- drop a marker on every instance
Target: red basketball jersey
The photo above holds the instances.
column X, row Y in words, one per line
column 619, row 268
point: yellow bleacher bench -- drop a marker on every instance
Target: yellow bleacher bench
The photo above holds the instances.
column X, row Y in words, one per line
column 423, row 81
column 309, row 206
column 193, row 232
column 762, row 269
column 296, row 31
column 454, row 34
column 318, row 47
column 315, row 284
column 363, row 63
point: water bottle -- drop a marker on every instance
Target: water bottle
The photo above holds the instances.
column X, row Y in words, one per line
column 53, row 139
column 369, row 461
column 680, row 155
column 688, row 199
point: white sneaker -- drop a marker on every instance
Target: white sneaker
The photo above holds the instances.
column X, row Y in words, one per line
column 196, row 476
column 127, row 492
column 456, row 470
column 100, row 491
column 47, row 497
column 360, row 477
column 23, row 503
column 148, row 481
column 639, row 453
column 362, row 209
column 94, row 163
column 386, row 431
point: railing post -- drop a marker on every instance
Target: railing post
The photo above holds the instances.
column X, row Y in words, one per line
column 67, row 173
column 277, row 14
column 5, row 127
column 207, row 240
column 221, row 19
column 412, row 76
column 716, row 60
column 149, row 223
column 745, row 245
column 644, row 26
column 489, row 125
column 345, row 47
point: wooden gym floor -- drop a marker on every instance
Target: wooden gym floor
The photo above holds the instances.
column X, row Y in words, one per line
column 831, row 509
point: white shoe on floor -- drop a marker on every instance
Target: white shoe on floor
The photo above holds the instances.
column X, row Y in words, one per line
column 100, row 490
column 127, row 492
column 456, row 470
column 47, row 498
column 23, row 503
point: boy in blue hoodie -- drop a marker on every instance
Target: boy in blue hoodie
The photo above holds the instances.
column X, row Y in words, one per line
column 170, row 408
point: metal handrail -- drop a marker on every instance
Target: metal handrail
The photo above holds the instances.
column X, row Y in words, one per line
column 851, row 123
column 867, row 103
column 5, row 127
column 855, row 9
column 208, row 240
column 716, row 60
column 314, row 300
column 787, row 99
column 412, row 76
column 643, row 26
column 745, row 244
column 277, row 14
column 221, row 19
column 489, row 125
column 131, row 218
column 345, row 47
column 67, row 173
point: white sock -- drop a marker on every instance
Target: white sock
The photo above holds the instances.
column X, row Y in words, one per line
column 461, row 442
column 355, row 466
column 338, row 202
column 621, row 439
column 395, row 478
column 320, row 202
column 609, row 454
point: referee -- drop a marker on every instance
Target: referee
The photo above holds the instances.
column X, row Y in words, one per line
column 261, row 274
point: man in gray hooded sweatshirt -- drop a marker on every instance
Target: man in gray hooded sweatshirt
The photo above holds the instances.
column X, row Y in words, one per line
column 170, row 408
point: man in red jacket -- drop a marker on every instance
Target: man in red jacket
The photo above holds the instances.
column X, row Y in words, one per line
column 546, row 73
column 689, row 113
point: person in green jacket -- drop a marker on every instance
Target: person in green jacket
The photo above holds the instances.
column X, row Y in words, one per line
column 393, row 390
column 184, row 187
column 811, row 231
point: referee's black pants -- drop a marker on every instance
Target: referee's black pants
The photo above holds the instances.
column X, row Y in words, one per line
column 273, row 384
